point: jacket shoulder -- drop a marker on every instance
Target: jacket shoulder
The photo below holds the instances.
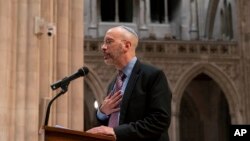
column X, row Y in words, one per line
column 147, row 68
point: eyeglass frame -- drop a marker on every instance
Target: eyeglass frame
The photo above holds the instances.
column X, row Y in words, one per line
column 110, row 41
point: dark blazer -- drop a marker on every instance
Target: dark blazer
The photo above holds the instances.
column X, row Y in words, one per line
column 146, row 106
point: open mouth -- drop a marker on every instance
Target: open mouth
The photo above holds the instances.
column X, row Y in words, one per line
column 106, row 56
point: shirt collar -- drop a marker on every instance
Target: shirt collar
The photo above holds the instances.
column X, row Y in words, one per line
column 128, row 69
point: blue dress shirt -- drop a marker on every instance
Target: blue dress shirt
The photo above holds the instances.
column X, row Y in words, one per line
column 127, row 70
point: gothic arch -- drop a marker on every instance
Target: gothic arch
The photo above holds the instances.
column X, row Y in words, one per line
column 225, row 83
column 95, row 84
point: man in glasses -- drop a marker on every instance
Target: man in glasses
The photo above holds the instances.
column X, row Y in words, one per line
column 138, row 103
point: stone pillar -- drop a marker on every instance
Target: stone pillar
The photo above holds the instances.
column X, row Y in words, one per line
column 166, row 12
column 93, row 13
column 60, row 111
column 116, row 11
column 174, row 130
column 31, row 62
column 142, row 14
column 77, row 59
column 93, row 22
column 19, row 53
column 69, row 58
column 143, row 29
column 182, row 28
column 148, row 18
column 244, row 41
column 194, row 33
column 31, row 93
column 144, row 18
column 6, row 78
column 21, row 92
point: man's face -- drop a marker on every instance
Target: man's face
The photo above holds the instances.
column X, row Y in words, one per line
column 112, row 49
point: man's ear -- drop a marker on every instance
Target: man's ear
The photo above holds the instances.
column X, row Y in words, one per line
column 127, row 46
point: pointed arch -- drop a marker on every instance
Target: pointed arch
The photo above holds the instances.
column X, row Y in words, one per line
column 225, row 83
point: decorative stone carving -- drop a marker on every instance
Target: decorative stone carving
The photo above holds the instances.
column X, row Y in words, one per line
column 231, row 69
column 174, row 57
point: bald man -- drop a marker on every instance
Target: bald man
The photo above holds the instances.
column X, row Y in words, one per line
column 138, row 103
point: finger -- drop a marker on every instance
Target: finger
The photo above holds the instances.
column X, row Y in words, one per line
column 116, row 96
column 115, row 110
column 107, row 97
column 92, row 130
column 118, row 102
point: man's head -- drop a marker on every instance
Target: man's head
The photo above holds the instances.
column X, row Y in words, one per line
column 119, row 46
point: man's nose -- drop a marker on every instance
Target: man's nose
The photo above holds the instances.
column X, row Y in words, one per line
column 103, row 47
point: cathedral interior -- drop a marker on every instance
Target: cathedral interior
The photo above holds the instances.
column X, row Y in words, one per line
column 201, row 45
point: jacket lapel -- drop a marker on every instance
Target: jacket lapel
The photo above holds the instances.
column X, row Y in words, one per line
column 128, row 91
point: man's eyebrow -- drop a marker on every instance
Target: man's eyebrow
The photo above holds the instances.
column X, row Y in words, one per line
column 105, row 39
column 129, row 30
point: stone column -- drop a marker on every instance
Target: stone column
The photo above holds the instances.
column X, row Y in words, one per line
column 93, row 22
column 6, row 78
column 19, row 75
column 47, row 59
column 62, row 62
column 77, row 59
column 144, row 18
column 194, row 35
column 142, row 14
column 21, row 70
column 148, row 18
column 244, row 41
column 182, row 27
column 31, row 93
column 174, row 128
column 143, row 30
column 166, row 12
column 68, row 52
column 116, row 10
column 31, row 62
column 93, row 13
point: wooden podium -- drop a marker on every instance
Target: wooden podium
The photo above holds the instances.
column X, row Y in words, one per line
column 61, row 134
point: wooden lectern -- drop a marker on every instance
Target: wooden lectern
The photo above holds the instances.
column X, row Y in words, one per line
column 62, row 134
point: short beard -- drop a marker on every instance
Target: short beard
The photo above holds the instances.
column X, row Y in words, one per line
column 109, row 62
column 114, row 57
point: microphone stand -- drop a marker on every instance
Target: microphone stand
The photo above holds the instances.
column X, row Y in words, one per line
column 64, row 89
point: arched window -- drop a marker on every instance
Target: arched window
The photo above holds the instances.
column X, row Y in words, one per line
column 157, row 11
column 125, row 10
column 116, row 10
column 108, row 10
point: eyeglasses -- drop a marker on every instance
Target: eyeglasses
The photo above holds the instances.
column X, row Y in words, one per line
column 108, row 42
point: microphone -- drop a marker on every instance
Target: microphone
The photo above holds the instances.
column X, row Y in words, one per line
column 65, row 81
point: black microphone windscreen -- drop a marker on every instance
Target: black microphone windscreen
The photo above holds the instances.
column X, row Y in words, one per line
column 83, row 71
